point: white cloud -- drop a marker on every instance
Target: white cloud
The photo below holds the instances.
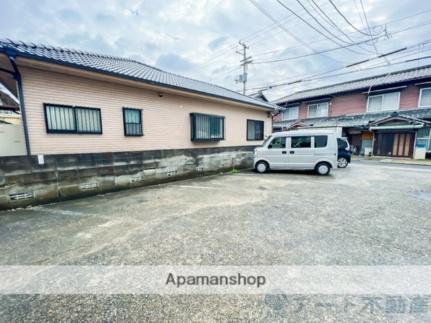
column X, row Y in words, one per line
column 188, row 11
column 199, row 38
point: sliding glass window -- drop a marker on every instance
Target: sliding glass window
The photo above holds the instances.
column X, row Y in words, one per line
column 206, row 127
column 71, row 119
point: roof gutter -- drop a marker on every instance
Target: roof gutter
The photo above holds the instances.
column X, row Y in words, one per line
column 17, row 76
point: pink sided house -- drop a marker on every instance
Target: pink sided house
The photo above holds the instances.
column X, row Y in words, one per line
column 94, row 122
column 383, row 115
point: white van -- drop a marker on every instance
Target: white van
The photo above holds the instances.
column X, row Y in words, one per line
column 298, row 149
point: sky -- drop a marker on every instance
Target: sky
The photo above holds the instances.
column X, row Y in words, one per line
column 199, row 38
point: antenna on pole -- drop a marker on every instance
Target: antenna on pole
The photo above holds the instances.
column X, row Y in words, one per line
column 242, row 78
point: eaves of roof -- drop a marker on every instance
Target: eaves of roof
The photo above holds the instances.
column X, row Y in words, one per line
column 144, row 73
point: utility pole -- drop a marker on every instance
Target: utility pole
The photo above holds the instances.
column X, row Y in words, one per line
column 244, row 63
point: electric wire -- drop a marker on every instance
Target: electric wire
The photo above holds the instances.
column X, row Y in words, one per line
column 348, row 21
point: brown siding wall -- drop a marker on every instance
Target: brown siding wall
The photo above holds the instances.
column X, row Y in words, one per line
column 278, row 117
column 409, row 97
column 348, row 104
column 166, row 120
column 356, row 103
column 303, row 111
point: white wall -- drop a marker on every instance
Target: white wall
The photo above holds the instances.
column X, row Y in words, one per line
column 11, row 140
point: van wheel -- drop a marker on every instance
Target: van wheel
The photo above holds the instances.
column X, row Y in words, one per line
column 342, row 162
column 323, row 168
column 262, row 167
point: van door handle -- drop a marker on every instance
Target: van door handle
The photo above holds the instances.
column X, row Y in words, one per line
column 284, row 152
column 291, row 152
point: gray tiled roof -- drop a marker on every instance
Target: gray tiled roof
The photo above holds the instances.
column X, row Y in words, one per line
column 124, row 67
column 364, row 83
column 360, row 120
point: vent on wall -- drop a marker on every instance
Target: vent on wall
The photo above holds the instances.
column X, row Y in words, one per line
column 136, row 179
column 88, row 186
column 172, row 173
column 21, row 196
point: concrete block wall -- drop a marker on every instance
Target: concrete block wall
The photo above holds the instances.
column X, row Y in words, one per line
column 24, row 182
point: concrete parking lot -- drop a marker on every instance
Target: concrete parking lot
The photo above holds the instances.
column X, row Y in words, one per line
column 366, row 214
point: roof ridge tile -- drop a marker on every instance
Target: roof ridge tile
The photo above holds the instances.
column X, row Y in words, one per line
column 126, row 68
column 392, row 74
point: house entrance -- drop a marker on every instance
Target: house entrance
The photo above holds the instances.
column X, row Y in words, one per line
column 395, row 144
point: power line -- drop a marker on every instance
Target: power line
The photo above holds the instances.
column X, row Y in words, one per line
column 310, row 25
column 270, row 27
column 335, row 48
column 276, row 24
column 282, row 27
column 369, row 30
column 324, row 76
column 394, row 33
column 318, row 22
column 360, row 16
column 387, row 23
column 227, row 50
column 321, row 25
column 408, row 17
column 337, row 69
column 249, row 39
column 311, row 54
column 345, row 73
column 324, row 16
column 348, row 21
column 377, row 57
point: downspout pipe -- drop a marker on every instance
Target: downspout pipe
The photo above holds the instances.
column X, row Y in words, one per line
column 17, row 76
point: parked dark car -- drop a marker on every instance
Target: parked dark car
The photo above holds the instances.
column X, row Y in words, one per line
column 344, row 153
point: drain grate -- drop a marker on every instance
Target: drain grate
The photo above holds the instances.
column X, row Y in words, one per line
column 21, row 196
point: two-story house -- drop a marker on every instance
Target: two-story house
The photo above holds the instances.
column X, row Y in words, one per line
column 383, row 115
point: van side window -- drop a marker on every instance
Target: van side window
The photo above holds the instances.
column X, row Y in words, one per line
column 320, row 141
column 301, row 142
column 278, row 142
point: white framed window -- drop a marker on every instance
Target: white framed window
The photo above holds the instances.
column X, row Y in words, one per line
column 425, row 98
column 423, row 138
column 316, row 110
column 383, row 102
column 291, row 113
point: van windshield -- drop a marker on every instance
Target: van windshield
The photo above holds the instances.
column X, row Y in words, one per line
column 266, row 141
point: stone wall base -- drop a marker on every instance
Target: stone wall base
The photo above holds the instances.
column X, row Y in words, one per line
column 24, row 182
